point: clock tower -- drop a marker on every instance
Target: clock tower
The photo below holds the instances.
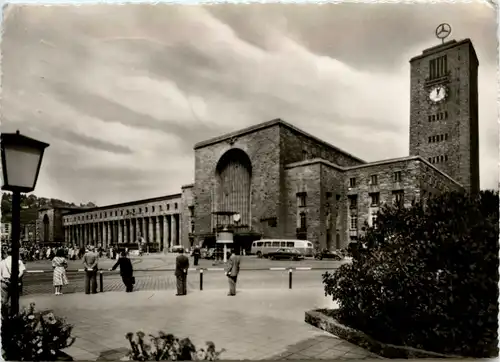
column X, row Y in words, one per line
column 444, row 109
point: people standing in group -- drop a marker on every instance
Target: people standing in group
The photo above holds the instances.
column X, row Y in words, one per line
column 232, row 271
column 60, row 265
column 181, row 270
column 196, row 255
column 90, row 263
column 5, row 277
column 126, row 271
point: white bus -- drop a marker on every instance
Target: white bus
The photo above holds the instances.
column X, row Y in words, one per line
column 263, row 247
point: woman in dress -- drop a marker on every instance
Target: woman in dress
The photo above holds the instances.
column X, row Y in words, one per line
column 59, row 264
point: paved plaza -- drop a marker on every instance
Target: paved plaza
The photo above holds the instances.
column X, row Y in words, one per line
column 256, row 324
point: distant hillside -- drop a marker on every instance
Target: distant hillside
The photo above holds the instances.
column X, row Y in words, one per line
column 30, row 205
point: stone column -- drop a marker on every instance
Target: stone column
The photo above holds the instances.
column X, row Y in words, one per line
column 120, row 238
column 150, row 229
column 166, row 235
column 104, row 235
column 158, row 236
column 144, row 228
column 174, row 230
column 131, row 231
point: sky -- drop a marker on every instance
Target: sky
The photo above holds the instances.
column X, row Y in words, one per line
column 123, row 92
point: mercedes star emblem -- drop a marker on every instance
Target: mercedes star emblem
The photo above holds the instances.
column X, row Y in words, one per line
column 443, row 31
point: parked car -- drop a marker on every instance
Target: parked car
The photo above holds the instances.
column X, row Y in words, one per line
column 328, row 254
column 285, row 253
column 177, row 248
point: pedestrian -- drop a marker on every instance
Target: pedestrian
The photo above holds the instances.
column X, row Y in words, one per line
column 90, row 261
column 60, row 265
column 5, row 277
column 196, row 255
column 232, row 271
column 181, row 270
column 126, row 271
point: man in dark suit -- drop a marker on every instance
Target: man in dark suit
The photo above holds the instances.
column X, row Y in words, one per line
column 126, row 271
column 181, row 270
column 90, row 261
column 232, row 271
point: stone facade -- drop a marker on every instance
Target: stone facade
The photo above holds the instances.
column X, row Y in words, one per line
column 447, row 133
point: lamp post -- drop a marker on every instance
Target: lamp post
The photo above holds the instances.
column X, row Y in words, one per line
column 21, row 161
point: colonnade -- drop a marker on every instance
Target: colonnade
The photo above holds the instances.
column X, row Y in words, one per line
column 163, row 229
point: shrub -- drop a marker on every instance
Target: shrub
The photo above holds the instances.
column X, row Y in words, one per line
column 167, row 347
column 34, row 336
column 426, row 277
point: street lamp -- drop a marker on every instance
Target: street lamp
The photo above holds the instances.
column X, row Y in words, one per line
column 21, row 161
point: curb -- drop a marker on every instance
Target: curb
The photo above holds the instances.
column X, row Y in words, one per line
column 190, row 269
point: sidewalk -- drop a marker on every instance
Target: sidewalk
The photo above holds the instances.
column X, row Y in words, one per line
column 256, row 324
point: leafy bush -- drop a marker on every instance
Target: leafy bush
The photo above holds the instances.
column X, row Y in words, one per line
column 168, row 347
column 34, row 336
column 426, row 277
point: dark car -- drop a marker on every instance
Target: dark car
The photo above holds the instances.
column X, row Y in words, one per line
column 285, row 253
column 328, row 254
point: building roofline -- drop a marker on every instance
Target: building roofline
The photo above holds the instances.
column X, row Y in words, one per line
column 129, row 203
column 438, row 170
column 269, row 124
column 312, row 162
column 439, row 48
column 188, row 186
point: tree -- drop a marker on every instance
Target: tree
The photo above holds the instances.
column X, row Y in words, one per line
column 427, row 277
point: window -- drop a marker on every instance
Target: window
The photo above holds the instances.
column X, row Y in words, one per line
column 328, row 195
column 303, row 220
column 430, row 138
column 430, row 118
column 352, row 182
column 140, row 210
column 397, row 176
column 337, row 197
column 304, row 155
column 438, row 67
column 445, row 158
column 442, row 137
column 153, row 209
column 301, row 199
column 283, row 244
column 373, row 180
column 176, row 206
column 290, row 244
column 375, row 198
column 441, row 158
column 267, row 244
column 275, row 244
column 433, row 117
column 430, row 160
column 161, row 207
column 446, row 136
column 445, row 114
column 259, row 243
column 272, row 222
column 145, row 209
column 354, row 222
column 398, row 197
column 168, row 206
column 353, row 201
column 121, row 212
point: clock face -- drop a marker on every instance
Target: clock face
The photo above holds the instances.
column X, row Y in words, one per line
column 438, row 94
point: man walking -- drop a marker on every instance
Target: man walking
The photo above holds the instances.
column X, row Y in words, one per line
column 5, row 275
column 90, row 260
column 196, row 255
column 232, row 271
column 181, row 270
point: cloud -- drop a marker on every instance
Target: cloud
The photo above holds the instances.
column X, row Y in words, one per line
column 122, row 93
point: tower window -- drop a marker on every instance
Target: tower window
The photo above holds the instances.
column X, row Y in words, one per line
column 441, row 158
column 438, row 67
column 442, row 137
column 430, row 160
column 353, row 201
column 398, row 197
column 304, row 155
column 430, row 118
column 445, row 114
column 433, row 117
column 301, row 199
column 373, row 180
column 352, row 182
column 430, row 138
column 397, row 176
column 446, row 158
column 446, row 136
